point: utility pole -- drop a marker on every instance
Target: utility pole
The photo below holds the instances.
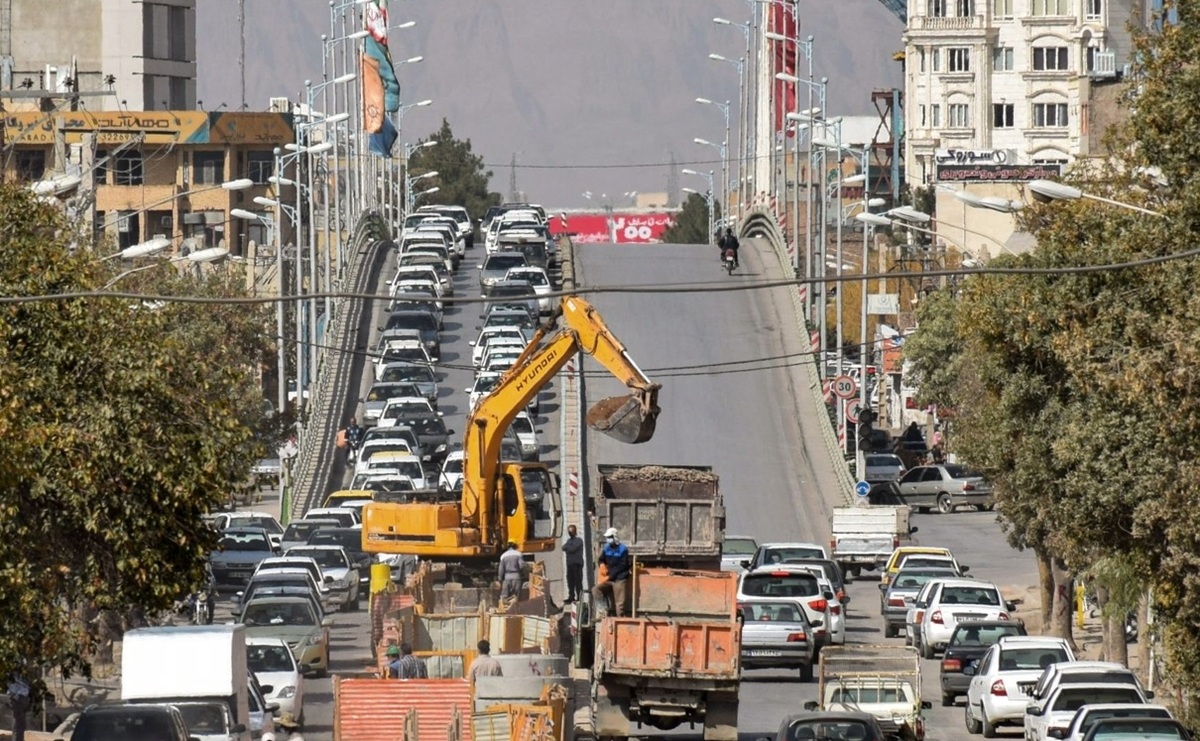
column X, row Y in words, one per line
column 672, row 182
column 242, row 50
column 513, row 196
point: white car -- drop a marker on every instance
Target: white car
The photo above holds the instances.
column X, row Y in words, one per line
column 274, row 666
column 405, row 293
column 537, row 278
column 488, row 334
column 499, row 362
column 523, row 425
column 508, row 347
column 265, row 520
column 401, row 405
column 1084, row 672
column 837, row 611
column 1092, row 713
column 379, row 446
column 452, row 471
column 396, row 464
column 332, row 513
column 402, row 351
column 1059, row 707
column 951, row 600
column 1004, row 678
column 420, row 273
column 337, row 569
column 790, row 584
column 484, row 383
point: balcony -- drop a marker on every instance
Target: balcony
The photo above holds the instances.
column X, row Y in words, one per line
column 1104, row 65
column 957, row 24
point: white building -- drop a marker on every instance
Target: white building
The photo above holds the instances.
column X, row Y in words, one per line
column 997, row 93
column 137, row 55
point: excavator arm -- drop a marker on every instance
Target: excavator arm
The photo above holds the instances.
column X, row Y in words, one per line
column 503, row 501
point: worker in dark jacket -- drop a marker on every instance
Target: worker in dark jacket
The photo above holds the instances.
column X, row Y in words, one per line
column 618, row 564
column 573, row 551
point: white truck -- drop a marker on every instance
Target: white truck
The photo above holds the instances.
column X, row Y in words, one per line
column 883, row 681
column 202, row 669
column 864, row 537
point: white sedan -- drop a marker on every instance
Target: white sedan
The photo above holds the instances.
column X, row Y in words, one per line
column 537, row 278
column 1004, row 678
column 274, row 666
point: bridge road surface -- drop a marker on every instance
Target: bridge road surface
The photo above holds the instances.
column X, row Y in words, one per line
column 757, row 426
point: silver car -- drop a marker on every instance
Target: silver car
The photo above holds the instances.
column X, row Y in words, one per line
column 946, row 487
column 734, row 550
column 898, row 595
column 882, row 467
column 777, row 635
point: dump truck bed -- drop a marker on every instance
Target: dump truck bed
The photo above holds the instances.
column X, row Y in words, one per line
column 662, row 512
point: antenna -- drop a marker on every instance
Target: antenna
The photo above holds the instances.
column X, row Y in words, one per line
column 513, row 196
column 672, row 182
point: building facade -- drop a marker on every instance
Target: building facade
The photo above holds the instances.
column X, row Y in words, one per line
column 998, row 93
column 133, row 55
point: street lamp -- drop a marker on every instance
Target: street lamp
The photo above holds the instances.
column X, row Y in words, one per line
column 1048, row 190
column 744, row 135
column 151, row 247
column 724, row 107
column 211, row 254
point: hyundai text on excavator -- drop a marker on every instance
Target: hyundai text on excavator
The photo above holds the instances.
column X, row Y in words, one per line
column 506, row 501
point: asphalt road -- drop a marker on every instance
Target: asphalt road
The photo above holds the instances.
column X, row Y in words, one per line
column 729, row 400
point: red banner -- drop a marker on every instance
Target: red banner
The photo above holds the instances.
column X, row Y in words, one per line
column 782, row 20
column 619, row 228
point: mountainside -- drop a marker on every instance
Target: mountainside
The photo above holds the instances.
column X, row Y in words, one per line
column 560, row 84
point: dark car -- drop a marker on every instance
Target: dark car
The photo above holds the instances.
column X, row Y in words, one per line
column 829, row 725
column 349, row 538
column 969, row 642
column 424, row 322
column 239, row 550
column 431, row 432
column 420, row 375
column 131, row 721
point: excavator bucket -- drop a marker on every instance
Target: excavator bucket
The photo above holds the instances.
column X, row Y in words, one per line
column 624, row 418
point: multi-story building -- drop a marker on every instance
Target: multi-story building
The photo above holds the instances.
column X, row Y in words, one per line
column 135, row 55
column 998, row 93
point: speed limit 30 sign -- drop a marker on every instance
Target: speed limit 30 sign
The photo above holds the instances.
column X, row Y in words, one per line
column 844, row 387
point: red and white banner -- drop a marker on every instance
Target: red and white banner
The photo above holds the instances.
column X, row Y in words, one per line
column 619, row 228
column 782, row 20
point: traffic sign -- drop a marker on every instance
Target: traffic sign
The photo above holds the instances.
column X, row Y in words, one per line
column 844, row 387
column 862, row 488
column 853, row 407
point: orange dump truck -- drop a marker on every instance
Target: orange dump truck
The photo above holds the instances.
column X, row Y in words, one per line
column 674, row 659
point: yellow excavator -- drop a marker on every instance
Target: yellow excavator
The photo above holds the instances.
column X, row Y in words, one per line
column 506, row 501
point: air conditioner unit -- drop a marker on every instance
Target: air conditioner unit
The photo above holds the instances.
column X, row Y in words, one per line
column 123, row 223
column 280, row 105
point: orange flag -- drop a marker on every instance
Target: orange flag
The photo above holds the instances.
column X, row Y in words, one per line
column 372, row 95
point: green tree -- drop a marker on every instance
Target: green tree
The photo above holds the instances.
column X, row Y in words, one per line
column 691, row 223
column 936, row 350
column 461, row 177
column 122, row 423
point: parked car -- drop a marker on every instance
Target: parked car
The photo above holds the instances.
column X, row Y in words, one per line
column 970, row 641
column 777, row 635
column 999, row 687
column 946, row 487
column 883, row 467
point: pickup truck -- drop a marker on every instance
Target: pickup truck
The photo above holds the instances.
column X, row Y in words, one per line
column 864, row 537
column 882, row 681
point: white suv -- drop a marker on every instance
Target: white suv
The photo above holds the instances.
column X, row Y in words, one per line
column 790, row 584
column 1004, row 679
column 949, row 600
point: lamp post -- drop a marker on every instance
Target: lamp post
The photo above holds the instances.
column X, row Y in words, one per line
column 826, row 124
column 709, row 177
column 142, row 249
column 800, row 117
column 230, row 185
column 281, row 351
column 411, row 198
column 724, row 107
column 1048, row 190
column 211, row 254
column 722, row 151
column 743, row 107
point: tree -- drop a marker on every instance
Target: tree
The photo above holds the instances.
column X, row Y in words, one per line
column 461, row 178
column 936, row 350
column 123, row 422
column 691, row 224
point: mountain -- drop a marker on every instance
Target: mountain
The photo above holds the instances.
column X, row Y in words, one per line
column 560, row 83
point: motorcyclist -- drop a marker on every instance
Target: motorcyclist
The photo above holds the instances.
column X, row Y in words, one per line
column 354, row 436
column 729, row 242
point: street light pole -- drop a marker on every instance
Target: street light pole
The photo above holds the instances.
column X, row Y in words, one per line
column 724, row 154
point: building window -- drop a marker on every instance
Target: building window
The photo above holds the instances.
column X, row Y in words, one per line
column 31, row 164
column 1050, row 58
column 1049, row 115
column 1093, row 9
column 964, row 8
column 1002, row 115
column 208, row 168
column 923, row 118
column 177, row 34
column 958, row 59
column 939, row 8
column 1050, row 7
column 1002, row 8
column 1002, row 59
column 960, row 116
column 935, row 59
column 127, row 168
column 260, row 166
column 1056, row 159
column 935, row 115
column 101, row 167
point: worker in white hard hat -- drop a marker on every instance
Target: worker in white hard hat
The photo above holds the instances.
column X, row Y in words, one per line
column 615, row 565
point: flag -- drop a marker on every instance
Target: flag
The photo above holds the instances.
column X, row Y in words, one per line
column 375, row 19
column 381, row 142
column 373, row 96
column 783, row 21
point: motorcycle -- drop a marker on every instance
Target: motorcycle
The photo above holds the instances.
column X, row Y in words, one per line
column 729, row 261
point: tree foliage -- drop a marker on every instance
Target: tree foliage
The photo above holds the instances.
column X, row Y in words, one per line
column 691, row 224
column 1077, row 392
column 461, row 177
column 122, row 423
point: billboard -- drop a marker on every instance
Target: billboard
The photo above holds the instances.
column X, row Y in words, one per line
column 618, row 227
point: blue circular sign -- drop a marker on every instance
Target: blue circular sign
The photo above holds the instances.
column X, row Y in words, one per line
column 862, row 488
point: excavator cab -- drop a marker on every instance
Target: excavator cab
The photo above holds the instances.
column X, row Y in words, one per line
column 532, row 508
